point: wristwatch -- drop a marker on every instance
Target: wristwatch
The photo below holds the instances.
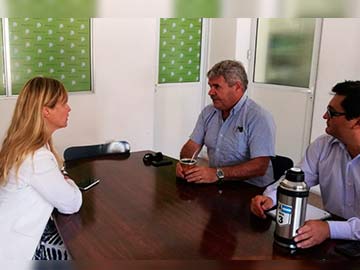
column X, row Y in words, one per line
column 64, row 173
column 220, row 175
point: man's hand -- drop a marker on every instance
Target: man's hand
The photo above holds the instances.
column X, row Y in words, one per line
column 312, row 233
column 179, row 170
column 201, row 175
column 259, row 204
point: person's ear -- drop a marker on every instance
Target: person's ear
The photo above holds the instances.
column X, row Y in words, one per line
column 356, row 123
column 239, row 86
column 46, row 112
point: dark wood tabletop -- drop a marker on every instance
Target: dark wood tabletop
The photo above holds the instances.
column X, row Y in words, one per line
column 144, row 212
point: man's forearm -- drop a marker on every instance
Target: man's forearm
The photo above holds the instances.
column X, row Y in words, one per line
column 186, row 153
column 188, row 150
column 244, row 171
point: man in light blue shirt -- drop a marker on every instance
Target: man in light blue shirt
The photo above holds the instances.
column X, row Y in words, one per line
column 333, row 162
column 238, row 133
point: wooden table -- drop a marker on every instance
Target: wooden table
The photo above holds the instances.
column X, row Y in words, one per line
column 144, row 212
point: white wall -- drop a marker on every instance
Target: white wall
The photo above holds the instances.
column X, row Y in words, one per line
column 222, row 43
column 338, row 61
column 123, row 103
column 6, row 110
column 176, row 111
column 125, row 54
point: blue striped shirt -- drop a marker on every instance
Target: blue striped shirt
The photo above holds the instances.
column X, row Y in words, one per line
column 328, row 163
column 247, row 133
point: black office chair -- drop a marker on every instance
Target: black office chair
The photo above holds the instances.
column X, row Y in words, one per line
column 90, row 151
column 280, row 165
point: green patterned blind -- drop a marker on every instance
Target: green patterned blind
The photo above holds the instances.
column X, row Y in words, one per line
column 2, row 81
column 180, row 50
column 52, row 47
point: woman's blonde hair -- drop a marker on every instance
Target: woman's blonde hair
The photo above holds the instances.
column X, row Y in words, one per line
column 28, row 132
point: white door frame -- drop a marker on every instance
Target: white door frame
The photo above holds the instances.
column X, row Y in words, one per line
column 309, row 92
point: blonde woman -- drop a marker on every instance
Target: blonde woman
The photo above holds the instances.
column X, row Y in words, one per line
column 31, row 183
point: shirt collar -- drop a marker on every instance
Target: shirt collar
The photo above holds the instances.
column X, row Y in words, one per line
column 239, row 104
column 342, row 145
column 337, row 141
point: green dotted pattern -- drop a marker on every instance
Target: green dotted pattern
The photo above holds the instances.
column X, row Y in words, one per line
column 2, row 81
column 180, row 50
column 52, row 47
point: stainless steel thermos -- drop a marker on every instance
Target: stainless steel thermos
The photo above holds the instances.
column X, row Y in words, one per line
column 292, row 195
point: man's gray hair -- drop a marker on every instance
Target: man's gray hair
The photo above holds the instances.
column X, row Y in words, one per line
column 231, row 70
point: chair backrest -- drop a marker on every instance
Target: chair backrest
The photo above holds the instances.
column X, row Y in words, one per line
column 89, row 151
column 280, row 165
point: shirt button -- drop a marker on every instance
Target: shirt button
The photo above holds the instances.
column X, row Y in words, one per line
column 349, row 183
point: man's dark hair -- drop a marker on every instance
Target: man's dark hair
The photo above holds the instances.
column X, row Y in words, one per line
column 231, row 70
column 351, row 102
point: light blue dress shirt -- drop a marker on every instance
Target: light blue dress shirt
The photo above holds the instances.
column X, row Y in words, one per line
column 247, row 133
column 328, row 163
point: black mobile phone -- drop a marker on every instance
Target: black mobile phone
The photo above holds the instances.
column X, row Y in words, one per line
column 162, row 162
column 350, row 248
column 87, row 183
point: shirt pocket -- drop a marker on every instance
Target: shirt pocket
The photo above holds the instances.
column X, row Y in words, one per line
column 235, row 146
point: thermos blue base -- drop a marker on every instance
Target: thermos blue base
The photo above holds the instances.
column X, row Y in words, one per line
column 284, row 242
